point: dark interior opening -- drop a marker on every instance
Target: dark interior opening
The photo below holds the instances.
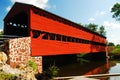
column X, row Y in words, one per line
column 17, row 25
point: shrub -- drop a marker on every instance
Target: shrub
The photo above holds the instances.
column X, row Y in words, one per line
column 48, row 74
column 54, row 70
column 5, row 76
column 32, row 64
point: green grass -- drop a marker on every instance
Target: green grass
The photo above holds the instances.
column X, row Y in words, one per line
column 116, row 50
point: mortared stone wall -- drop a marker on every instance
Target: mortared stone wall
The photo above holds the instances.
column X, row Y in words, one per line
column 19, row 51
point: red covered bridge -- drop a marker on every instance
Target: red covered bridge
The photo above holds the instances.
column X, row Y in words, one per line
column 51, row 34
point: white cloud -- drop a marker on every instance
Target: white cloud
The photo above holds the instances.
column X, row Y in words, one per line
column 91, row 19
column 39, row 3
column 114, row 39
column 102, row 13
column 99, row 13
column 111, row 25
column 110, row 8
column 8, row 8
column 113, row 30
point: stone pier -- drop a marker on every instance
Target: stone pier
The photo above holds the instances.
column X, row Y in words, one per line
column 19, row 51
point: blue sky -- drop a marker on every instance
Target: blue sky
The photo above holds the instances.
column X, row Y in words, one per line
column 79, row 11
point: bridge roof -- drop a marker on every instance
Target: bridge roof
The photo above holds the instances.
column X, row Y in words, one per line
column 18, row 7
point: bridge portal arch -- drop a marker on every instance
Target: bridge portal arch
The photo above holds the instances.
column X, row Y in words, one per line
column 17, row 25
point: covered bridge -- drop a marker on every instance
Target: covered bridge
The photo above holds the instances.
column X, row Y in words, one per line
column 51, row 34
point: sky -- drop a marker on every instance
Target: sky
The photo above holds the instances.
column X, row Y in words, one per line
column 79, row 11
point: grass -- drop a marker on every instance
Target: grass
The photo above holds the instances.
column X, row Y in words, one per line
column 116, row 50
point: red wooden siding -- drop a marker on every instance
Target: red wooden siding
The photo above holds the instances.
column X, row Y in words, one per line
column 49, row 47
column 54, row 47
column 45, row 24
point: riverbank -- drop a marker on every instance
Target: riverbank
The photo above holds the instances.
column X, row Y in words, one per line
column 114, row 56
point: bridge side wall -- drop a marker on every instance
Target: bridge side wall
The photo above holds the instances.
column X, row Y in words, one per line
column 19, row 51
column 63, row 36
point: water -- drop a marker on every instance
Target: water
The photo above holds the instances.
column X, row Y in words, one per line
column 92, row 68
column 115, row 69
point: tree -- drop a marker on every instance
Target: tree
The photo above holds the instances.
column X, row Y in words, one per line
column 80, row 24
column 92, row 27
column 118, row 45
column 116, row 11
column 111, row 44
column 1, row 32
column 102, row 31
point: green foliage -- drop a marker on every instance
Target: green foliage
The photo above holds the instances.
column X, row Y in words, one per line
column 118, row 45
column 116, row 50
column 5, row 76
column 116, row 11
column 111, row 44
column 32, row 64
column 48, row 74
column 81, row 55
column 1, row 32
column 93, row 27
column 81, row 59
column 54, row 70
column 81, row 24
column 102, row 31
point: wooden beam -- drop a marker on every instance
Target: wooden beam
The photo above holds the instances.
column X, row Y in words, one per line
column 87, row 77
column 103, row 75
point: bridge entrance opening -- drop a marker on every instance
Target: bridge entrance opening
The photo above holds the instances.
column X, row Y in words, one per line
column 17, row 25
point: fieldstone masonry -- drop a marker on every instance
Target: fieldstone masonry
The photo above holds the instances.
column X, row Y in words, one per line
column 19, row 51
